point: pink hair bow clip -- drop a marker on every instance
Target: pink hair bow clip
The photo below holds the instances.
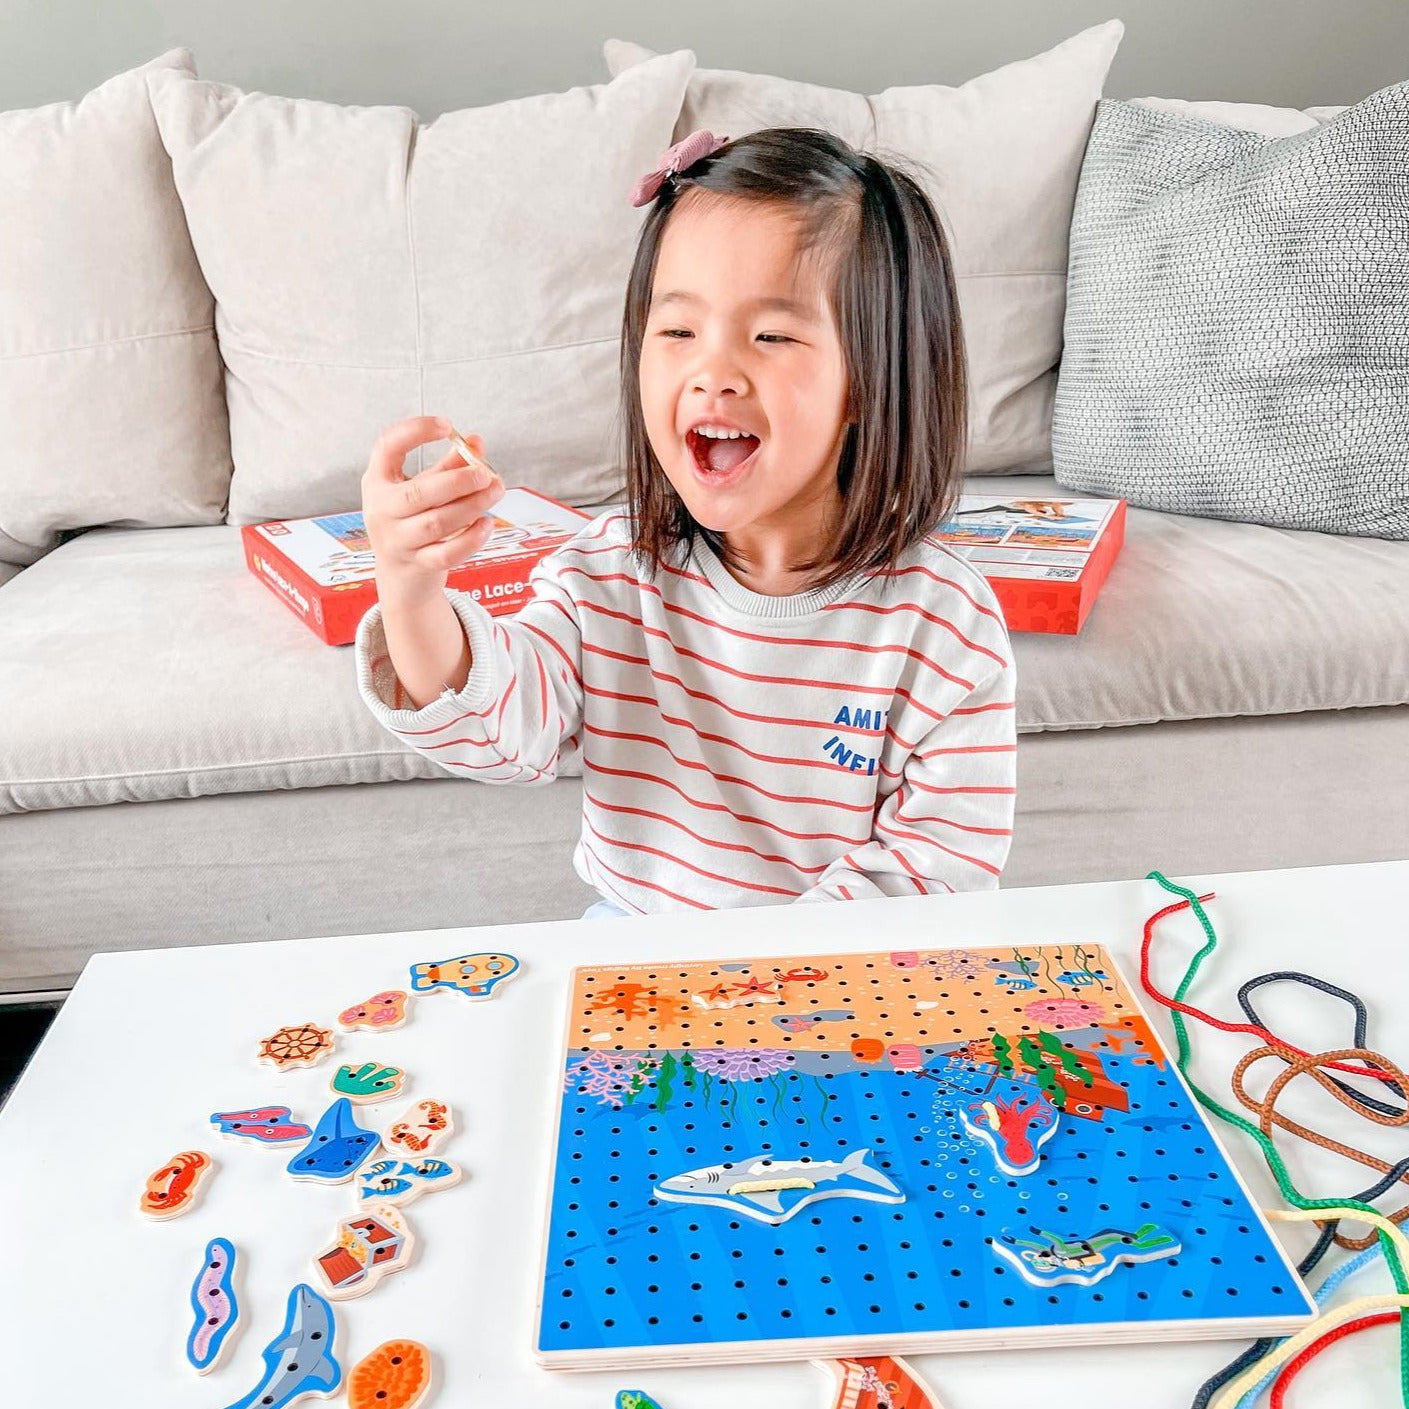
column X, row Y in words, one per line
column 684, row 154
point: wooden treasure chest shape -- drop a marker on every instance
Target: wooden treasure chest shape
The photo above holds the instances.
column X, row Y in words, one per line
column 375, row 1242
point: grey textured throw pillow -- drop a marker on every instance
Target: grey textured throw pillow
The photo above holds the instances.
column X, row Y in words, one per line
column 1237, row 324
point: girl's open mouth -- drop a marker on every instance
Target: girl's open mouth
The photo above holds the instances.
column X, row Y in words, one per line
column 719, row 461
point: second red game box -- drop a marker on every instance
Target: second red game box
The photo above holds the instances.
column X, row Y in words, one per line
column 1046, row 559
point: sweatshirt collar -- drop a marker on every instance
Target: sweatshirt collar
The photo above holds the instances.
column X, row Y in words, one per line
column 759, row 605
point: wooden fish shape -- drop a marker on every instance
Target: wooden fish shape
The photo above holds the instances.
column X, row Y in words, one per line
column 399, row 1181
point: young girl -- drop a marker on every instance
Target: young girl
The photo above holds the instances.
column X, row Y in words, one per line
column 779, row 686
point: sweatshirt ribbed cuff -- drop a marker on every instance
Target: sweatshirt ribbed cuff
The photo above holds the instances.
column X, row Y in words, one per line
column 481, row 686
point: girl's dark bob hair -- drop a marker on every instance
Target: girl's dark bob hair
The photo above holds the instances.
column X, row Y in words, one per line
column 893, row 296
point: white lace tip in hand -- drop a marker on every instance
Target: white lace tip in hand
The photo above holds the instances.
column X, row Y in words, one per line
column 463, row 446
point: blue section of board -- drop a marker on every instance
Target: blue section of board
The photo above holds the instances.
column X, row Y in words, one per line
column 340, row 525
column 626, row 1270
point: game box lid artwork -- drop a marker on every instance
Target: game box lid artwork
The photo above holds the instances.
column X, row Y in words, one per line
column 1046, row 559
column 886, row 1153
column 323, row 568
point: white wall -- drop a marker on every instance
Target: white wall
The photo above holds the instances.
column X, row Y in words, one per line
column 433, row 55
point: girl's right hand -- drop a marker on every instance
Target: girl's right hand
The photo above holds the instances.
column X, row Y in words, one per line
column 421, row 526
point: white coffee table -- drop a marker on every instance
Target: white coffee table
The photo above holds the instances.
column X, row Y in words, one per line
column 93, row 1298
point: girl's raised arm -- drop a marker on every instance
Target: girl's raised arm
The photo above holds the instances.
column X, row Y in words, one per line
column 420, row 527
column 518, row 711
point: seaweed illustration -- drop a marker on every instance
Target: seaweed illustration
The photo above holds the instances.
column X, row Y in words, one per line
column 637, row 1083
column 665, row 1080
column 732, row 1067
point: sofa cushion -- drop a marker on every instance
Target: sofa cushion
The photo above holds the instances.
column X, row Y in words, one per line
column 367, row 268
column 150, row 665
column 1207, row 619
column 144, row 665
column 1000, row 157
column 111, row 407
column 1237, row 331
column 1251, row 117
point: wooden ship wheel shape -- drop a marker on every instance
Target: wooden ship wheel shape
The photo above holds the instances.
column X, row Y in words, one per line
column 299, row 1044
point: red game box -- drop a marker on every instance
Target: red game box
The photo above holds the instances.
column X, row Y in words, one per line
column 1046, row 559
column 322, row 568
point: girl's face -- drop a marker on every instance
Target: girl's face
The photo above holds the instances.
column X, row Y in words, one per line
column 740, row 338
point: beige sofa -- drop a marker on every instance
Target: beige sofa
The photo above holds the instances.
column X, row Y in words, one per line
column 249, row 287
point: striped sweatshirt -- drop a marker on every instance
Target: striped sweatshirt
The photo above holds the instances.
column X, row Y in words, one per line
column 735, row 748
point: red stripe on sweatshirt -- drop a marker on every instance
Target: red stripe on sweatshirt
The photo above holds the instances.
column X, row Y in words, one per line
column 938, row 846
column 595, row 533
column 984, row 708
column 901, row 816
column 799, row 801
column 928, row 616
column 680, row 861
column 591, row 765
column 601, row 865
column 970, row 748
column 824, row 764
column 699, row 578
column 449, row 723
column 915, row 876
column 968, row 789
column 879, row 737
column 964, row 592
column 781, row 720
column 894, row 692
column 622, row 549
column 822, row 643
column 488, row 741
column 533, row 774
column 552, row 641
column 704, row 840
column 792, row 680
column 599, row 880
column 542, row 689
